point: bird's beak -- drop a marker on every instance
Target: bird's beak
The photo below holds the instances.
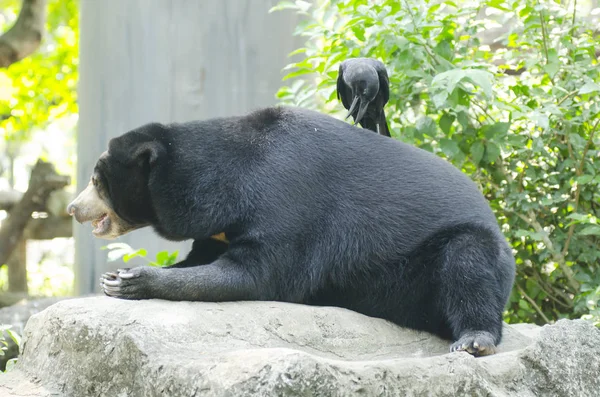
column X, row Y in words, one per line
column 361, row 111
column 354, row 102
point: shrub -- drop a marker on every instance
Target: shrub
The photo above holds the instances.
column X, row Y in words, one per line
column 519, row 115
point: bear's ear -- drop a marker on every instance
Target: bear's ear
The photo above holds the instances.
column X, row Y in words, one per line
column 147, row 153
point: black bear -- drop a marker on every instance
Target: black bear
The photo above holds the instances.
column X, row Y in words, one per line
column 315, row 211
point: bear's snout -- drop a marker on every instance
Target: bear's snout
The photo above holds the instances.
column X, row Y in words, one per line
column 87, row 206
column 71, row 209
column 80, row 216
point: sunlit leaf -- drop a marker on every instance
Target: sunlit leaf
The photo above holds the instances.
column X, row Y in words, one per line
column 589, row 87
column 449, row 147
column 446, row 123
column 477, row 150
column 593, row 230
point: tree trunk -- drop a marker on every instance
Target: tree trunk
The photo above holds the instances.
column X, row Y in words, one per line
column 44, row 180
column 26, row 34
column 17, row 268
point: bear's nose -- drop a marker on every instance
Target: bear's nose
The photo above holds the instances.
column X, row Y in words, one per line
column 71, row 208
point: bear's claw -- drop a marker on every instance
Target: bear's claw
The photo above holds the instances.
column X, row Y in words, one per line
column 125, row 283
column 477, row 343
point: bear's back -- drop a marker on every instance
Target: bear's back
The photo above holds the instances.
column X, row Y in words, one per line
column 331, row 169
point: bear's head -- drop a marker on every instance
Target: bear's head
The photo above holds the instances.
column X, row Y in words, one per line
column 117, row 198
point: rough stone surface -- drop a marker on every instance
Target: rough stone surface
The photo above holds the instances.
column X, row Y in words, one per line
column 108, row 347
column 16, row 317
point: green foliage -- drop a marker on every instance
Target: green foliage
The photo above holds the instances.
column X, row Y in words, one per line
column 124, row 251
column 38, row 112
column 522, row 119
column 16, row 338
column 41, row 88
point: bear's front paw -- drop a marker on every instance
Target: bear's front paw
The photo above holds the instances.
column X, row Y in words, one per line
column 477, row 343
column 128, row 283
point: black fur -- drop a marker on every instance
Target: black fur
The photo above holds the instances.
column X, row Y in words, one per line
column 316, row 211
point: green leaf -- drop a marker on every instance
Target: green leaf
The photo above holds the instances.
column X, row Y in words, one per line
column 446, row 123
column 524, row 305
column 583, row 277
column 283, row 5
column 444, row 50
column 526, row 233
column 553, row 65
column 483, row 79
column 359, row 32
column 538, row 145
column 546, row 201
column 584, row 179
column 593, row 230
column 117, row 251
column 172, row 258
column 449, row 147
column 492, row 152
column 577, row 141
column 14, row 336
column 499, row 4
column 299, row 72
column 426, row 126
column 439, row 99
column 540, row 119
column 496, row 130
column 113, row 246
column 589, row 87
column 139, row 253
column 450, row 79
column 477, row 150
column 463, row 119
column 162, row 257
column 124, row 251
column 298, row 51
column 10, row 364
column 578, row 218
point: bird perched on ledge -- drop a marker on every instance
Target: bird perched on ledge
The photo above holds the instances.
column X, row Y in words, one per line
column 364, row 82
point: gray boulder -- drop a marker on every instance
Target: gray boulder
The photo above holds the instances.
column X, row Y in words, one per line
column 108, row 347
column 15, row 317
column 17, row 314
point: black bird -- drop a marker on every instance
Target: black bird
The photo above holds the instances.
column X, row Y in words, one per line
column 364, row 81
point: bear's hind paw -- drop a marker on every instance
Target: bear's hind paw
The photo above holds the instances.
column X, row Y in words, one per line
column 477, row 343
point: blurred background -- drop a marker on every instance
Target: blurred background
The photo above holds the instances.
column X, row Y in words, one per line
column 508, row 91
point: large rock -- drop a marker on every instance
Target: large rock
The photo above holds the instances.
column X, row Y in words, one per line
column 110, row 347
column 17, row 314
column 15, row 317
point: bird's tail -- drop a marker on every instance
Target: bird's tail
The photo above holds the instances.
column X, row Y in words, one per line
column 382, row 125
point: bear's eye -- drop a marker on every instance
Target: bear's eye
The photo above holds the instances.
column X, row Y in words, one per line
column 94, row 181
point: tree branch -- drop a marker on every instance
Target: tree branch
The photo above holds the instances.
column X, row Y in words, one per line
column 8, row 198
column 544, row 36
column 579, row 172
column 556, row 255
column 25, row 36
column 44, row 180
column 532, row 303
column 551, row 290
